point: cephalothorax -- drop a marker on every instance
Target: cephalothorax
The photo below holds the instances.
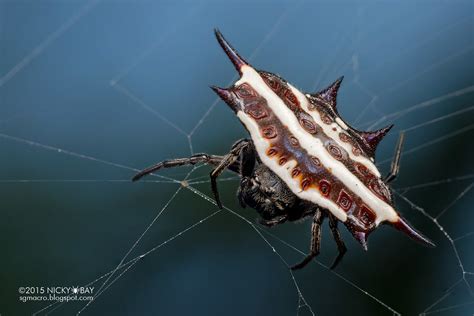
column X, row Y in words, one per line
column 302, row 159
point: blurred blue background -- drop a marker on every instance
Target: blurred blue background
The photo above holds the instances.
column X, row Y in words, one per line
column 117, row 84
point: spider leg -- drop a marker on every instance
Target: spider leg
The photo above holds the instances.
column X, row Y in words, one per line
column 247, row 160
column 315, row 240
column 274, row 221
column 227, row 161
column 194, row 159
column 247, row 165
column 395, row 166
column 341, row 247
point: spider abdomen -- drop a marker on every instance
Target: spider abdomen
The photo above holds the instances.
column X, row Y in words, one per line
column 283, row 152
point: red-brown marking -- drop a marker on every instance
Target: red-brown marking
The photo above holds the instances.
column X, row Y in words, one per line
column 308, row 124
column 294, row 141
column 269, row 132
column 335, row 151
column 379, row 189
column 272, row 152
column 272, row 82
column 356, row 151
column 246, row 91
column 316, row 161
column 325, row 118
column 344, row 137
column 362, row 170
column 344, row 200
column 324, row 187
column 306, row 183
column 295, row 172
column 366, row 215
column 290, row 99
column 256, row 111
column 282, row 161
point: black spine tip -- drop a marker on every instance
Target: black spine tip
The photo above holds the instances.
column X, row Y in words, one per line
column 136, row 177
column 234, row 57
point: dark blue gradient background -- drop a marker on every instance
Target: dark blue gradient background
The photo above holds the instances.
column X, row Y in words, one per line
column 58, row 63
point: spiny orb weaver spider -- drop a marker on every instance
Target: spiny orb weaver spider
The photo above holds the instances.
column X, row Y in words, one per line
column 302, row 160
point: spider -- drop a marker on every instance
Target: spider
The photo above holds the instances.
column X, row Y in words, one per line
column 302, row 160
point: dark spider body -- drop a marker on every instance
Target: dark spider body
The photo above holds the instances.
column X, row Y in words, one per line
column 265, row 192
column 302, row 160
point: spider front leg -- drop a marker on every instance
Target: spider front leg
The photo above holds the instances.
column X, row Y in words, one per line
column 194, row 159
column 315, row 240
column 227, row 160
column 395, row 166
column 247, row 165
column 274, row 221
column 341, row 247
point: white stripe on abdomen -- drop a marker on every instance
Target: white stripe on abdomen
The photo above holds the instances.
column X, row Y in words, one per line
column 334, row 134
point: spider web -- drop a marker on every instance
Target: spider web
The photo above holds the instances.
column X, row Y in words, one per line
column 435, row 202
